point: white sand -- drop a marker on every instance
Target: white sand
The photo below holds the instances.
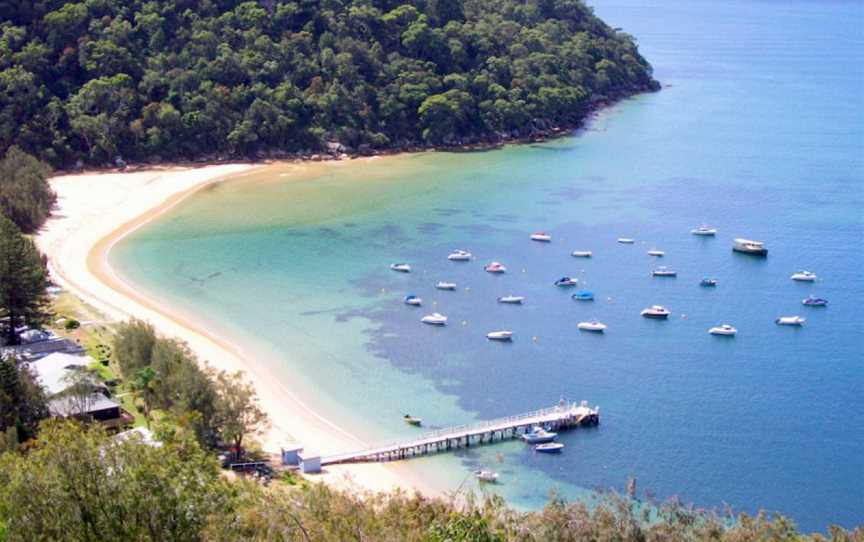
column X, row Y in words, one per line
column 94, row 210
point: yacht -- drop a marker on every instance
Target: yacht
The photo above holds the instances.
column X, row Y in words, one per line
column 499, row 335
column 626, row 240
column 664, row 272
column 487, row 476
column 511, row 299
column 549, row 447
column 538, row 435
column 401, row 267
column 811, row 301
column 708, row 282
column 804, row 276
column 789, row 321
column 658, row 253
column 583, row 295
column 434, row 319
column 495, row 267
column 441, row 285
column 746, row 246
column 413, row 300
column 459, row 255
column 655, row 311
column 725, row 330
column 581, row 254
column 566, row 281
column 705, row 231
column 541, row 236
column 593, row 325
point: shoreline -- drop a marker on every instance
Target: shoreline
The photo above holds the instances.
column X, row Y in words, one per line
column 98, row 209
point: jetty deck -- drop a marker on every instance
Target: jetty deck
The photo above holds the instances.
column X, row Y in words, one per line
column 560, row 417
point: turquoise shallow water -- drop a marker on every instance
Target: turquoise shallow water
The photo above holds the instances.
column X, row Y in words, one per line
column 759, row 131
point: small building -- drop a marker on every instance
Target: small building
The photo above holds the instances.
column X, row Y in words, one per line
column 310, row 463
column 56, row 371
column 94, row 407
column 291, row 455
column 37, row 350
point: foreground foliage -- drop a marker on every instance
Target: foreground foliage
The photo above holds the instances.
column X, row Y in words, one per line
column 95, row 79
column 78, row 484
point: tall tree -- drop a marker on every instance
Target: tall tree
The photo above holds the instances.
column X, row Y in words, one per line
column 144, row 386
column 237, row 411
column 25, row 196
column 22, row 403
column 23, row 279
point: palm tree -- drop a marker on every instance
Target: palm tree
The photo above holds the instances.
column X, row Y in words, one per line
column 144, row 386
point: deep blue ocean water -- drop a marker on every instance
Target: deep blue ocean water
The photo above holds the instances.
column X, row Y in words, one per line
column 759, row 130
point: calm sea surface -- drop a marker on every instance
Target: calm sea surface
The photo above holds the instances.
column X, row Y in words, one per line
column 759, row 131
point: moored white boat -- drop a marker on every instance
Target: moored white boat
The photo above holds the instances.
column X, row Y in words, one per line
column 581, row 254
column 499, row 335
column 549, row 447
column 434, row 319
column 495, row 267
column 401, row 267
column 708, row 282
column 459, row 255
column 593, row 325
column 566, row 281
column 790, row 321
column 487, row 476
column 626, row 240
column 541, row 236
column 441, row 285
column 511, row 299
column 664, row 272
column 658, row 253
column 413, row 300
column 804, row 276
column 538, row 435
column 724, row 329
column 746, row 246
column 811, row 301
column 705, row 231
column 655, row 311
column 411, row 420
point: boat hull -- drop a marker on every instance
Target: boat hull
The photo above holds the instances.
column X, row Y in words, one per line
column 760, row 252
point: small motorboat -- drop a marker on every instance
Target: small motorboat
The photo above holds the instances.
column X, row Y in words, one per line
column 724, row 330
column 583, row 295
column 705, row 231
column 804, row 276
column 626, row 240
column 434, row 319
column 487, row 476
column 459, row 255
column 593, row 325
column 658, row 253
column 494, row 267
column 411, row 420
column 790, row 321
column 500, row 335
column 549, row 448
column 538, row 435
column 511, row 299
column 581, row 254
column 541, row 236
column 811, row 301
column 664, row 272
column 401, row 267
column 655, row 311
column 413, row 300
column 565, row 282
column 441, row 285
column 708, row 283
column 746, row 246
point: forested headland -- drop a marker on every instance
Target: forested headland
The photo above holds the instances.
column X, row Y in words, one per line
column 89, row 81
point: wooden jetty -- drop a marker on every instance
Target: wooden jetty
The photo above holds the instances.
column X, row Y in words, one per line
column 562, row 416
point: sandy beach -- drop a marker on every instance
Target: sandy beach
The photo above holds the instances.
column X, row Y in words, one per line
column 94, row 211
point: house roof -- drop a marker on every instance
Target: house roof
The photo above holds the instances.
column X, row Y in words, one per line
column 55, row 369
column 145, row 434
column 70, row 406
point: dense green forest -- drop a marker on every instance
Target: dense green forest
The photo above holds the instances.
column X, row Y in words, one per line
column 96, row 79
